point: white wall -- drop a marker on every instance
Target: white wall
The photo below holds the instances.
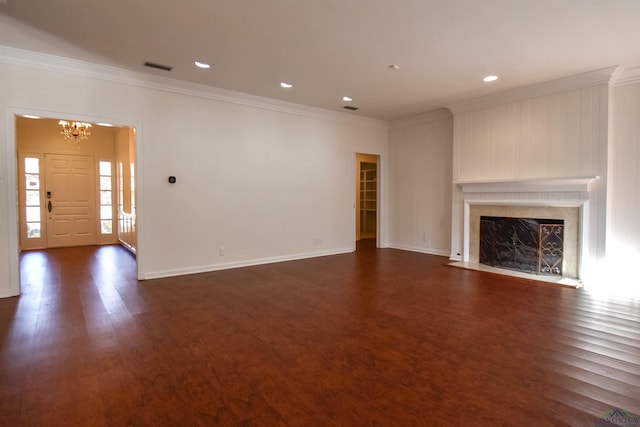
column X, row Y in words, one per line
column 623, row 231
column 420, row 158
column 557, row 135
column 536, row 134
column 267, row 181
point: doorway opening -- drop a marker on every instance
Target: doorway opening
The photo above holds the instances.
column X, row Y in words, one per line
column 73, row 193
column 367, row 217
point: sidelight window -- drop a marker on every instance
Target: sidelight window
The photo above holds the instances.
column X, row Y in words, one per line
column 106, row 198
column 32, row 196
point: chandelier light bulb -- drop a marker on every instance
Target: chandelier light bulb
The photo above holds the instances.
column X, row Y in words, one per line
column 74, row 131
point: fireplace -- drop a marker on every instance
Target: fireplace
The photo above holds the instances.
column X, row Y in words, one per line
column 529, row 245
column 568, row 217
column 566, row 199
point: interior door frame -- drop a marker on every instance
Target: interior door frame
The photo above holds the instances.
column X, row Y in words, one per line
column 380, row 238
column 12, row 185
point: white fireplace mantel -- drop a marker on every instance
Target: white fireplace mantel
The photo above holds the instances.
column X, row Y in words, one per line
column 578, row 184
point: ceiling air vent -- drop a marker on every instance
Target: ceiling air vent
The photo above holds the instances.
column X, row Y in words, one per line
column 351, row 107
column 157, row 66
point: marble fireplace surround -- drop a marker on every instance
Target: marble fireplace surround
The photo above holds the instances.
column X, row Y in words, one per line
column 568, row 214
column 561, row 198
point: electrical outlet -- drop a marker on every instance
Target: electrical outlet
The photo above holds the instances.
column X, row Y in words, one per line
column 221, row 251
column 317, row 241
column 424, row 238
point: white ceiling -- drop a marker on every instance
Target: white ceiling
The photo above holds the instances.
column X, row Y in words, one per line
column 332, row 48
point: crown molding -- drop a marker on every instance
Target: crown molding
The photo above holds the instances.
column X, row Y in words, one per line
column 47, row 62
column 577, row 81
column 627, row 76
column 432, row 116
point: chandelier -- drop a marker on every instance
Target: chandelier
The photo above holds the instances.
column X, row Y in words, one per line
column 74, row 131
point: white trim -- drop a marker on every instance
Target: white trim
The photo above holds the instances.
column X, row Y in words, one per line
column 579, row 184
column 237, row 264
column 140, row 209
column 8, row 294
column 432, row 116
column 455, row 257
column 12, row 203
column 577, row 81
column 410, row 248
column 42, row 61
column 627, row 76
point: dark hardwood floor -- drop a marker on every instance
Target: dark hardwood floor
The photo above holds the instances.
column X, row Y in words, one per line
column 380, row 337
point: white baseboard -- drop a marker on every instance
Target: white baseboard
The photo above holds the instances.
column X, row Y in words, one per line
column 10, row 293
column 239, row 264
column 429, row 251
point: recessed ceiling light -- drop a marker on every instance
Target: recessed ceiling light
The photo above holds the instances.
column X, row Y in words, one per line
column 108, row 125
column 202, row 65
column 30, row 116
column 490, row 78
column 286, row 85
column 347, row 99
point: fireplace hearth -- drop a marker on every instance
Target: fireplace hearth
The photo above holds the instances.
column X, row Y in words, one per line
column 528, row 245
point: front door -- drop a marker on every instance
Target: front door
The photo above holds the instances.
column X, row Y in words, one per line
column 70, row 200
